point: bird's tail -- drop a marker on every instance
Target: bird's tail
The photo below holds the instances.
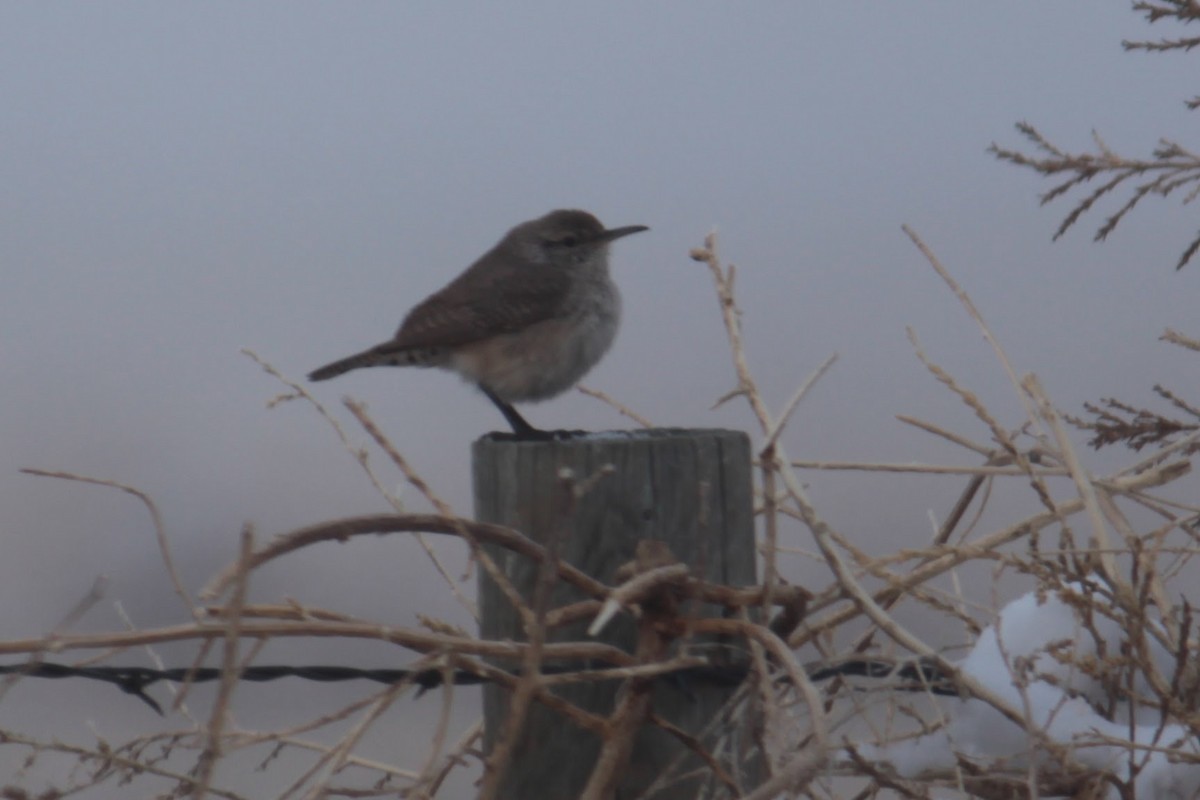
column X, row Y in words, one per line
column 387, row 354
column 364, row 359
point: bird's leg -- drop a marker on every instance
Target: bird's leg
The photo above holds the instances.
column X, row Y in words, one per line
column 521, row 428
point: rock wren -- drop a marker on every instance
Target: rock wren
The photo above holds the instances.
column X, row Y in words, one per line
column 524, row 322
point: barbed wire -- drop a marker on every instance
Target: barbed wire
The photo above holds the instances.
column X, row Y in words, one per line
column 920, row 675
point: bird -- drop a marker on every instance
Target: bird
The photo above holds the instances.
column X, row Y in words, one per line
column 524, row 322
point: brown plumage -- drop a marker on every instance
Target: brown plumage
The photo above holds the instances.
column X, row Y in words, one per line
column 524, row 322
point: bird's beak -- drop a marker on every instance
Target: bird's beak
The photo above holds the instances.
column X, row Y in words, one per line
column 616, row 233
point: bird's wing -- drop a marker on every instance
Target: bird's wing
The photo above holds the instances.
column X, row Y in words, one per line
column 491, row 297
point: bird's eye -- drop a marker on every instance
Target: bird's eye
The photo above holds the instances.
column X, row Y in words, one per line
column 568, row 241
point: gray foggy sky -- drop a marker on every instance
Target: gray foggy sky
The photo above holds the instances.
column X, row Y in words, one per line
column 184, row 180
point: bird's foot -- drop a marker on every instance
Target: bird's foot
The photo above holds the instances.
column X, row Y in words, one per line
column 536, row 435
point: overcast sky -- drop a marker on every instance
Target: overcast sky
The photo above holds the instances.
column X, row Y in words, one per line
column 179, row 181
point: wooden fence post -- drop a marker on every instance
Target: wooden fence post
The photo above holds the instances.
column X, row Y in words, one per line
column 691, row 489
